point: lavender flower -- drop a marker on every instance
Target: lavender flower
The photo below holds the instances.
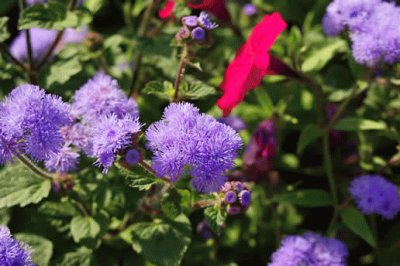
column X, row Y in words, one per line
column 230, row 197
column 376, row 195
column 310, row 249
column 190, row 21
column 13, row 252
column 234, row 122
column 249, row 9
column 198, row 34
column 64, row 161
column 111, row 135
column 206, row 22
column 373, row 28
column 34, row 119
column 78, row 136
column 101, row 96
column 184, row 137
column 245, row 198
column 132, row 157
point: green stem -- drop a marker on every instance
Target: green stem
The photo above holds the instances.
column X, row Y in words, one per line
column 374, row 227
column 181, row 70
column 28, row 163
column 4, row 50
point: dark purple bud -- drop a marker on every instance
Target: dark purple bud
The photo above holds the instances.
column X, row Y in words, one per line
column 239, row 186
column 204, row 230
column 230, row 197
column 234, row 122
column 190, row 21
column 233, row 210
column 249, row 9
column 132, row 157
column 245, row 198
column 198, row 34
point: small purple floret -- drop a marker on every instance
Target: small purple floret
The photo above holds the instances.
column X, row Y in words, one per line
column 230, row 197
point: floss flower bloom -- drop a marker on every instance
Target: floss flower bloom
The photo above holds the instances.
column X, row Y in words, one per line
column 33, row 119
column 185, row 137
column 310, row 249
column 251, row 62
column 373, row 27
column 101, row 96
column 376, row 195
column 13, row 252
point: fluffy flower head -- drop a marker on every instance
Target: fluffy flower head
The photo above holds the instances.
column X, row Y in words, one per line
column 12, row 252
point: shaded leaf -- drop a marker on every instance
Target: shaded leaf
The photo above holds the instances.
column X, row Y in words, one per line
column 356, row 124
column 4, row 34
column 81, row 257
column 306, row 198
column 309, row 134
column 138, row 177
column 42, row 248
column 357, row 223
column 215, row 218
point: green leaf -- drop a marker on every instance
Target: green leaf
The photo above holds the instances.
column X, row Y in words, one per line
column 309, row 134
column 357, row 223
column 5, row 216
column 58, row 209
column 42, row 248
column 306, row 198
column 194, row 90
column 53, row 15
column 357, row 124
column 87, row 230
column 215, row 218
column 20, row 186
column 81, row 257
column 4, row 34
column 138, row 177
column 62, row 71
column 163, row 90
column 320, row 57
column 94, row 5
column 265, row 101
column 163, row 242
column 171, row 204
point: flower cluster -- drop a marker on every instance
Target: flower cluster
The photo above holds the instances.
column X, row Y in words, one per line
column 310, row 249
column 373, row 26
column 108, row 120
column 185, row 137
column 236, row 196
column 31, row 122
column 376, row 195
column 196, row 26
column 13, row 252
column 260, row 150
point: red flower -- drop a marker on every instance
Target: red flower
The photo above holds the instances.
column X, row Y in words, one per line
column 167, row 10
column 216, row 7
column 252, row 62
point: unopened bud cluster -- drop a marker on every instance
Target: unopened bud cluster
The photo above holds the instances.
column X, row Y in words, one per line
column 196, row 28
column 236, row 196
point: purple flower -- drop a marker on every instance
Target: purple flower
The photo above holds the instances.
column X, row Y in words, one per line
column 245, row 198
column 78, row 136
column 111, row 135
column 64, row 161
column 34, row 119
column 234, row 122
column 190, row 21
column 101, row 96
column 185, row 137
column 132, row 157
column 32, row 2
column 206, row 22
column 249, row 9
column 230, row 197
column 13, row 252
column 41, row 41
column 310, row 249
column 376, row 195
column 198, row 34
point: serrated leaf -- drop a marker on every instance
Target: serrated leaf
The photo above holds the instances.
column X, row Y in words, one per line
column 53, row 15
column 138, row 177
column 20, row 186
column 163, row 90
column 4, row 34
column 356, row 124
column 357, row 223
column 215, row 218
column 42, row 248
column 62, row 71
column 86, row 231
column 163, row 242
column 58, row 209
column 81, row 257
column 195, row 90
column 306, row 198
column 320, row 57
column 309, row 134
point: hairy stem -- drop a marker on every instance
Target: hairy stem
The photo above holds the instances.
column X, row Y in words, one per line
column 32, row 166
column 181, row 70
column 146, row 166
column 4, row 50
